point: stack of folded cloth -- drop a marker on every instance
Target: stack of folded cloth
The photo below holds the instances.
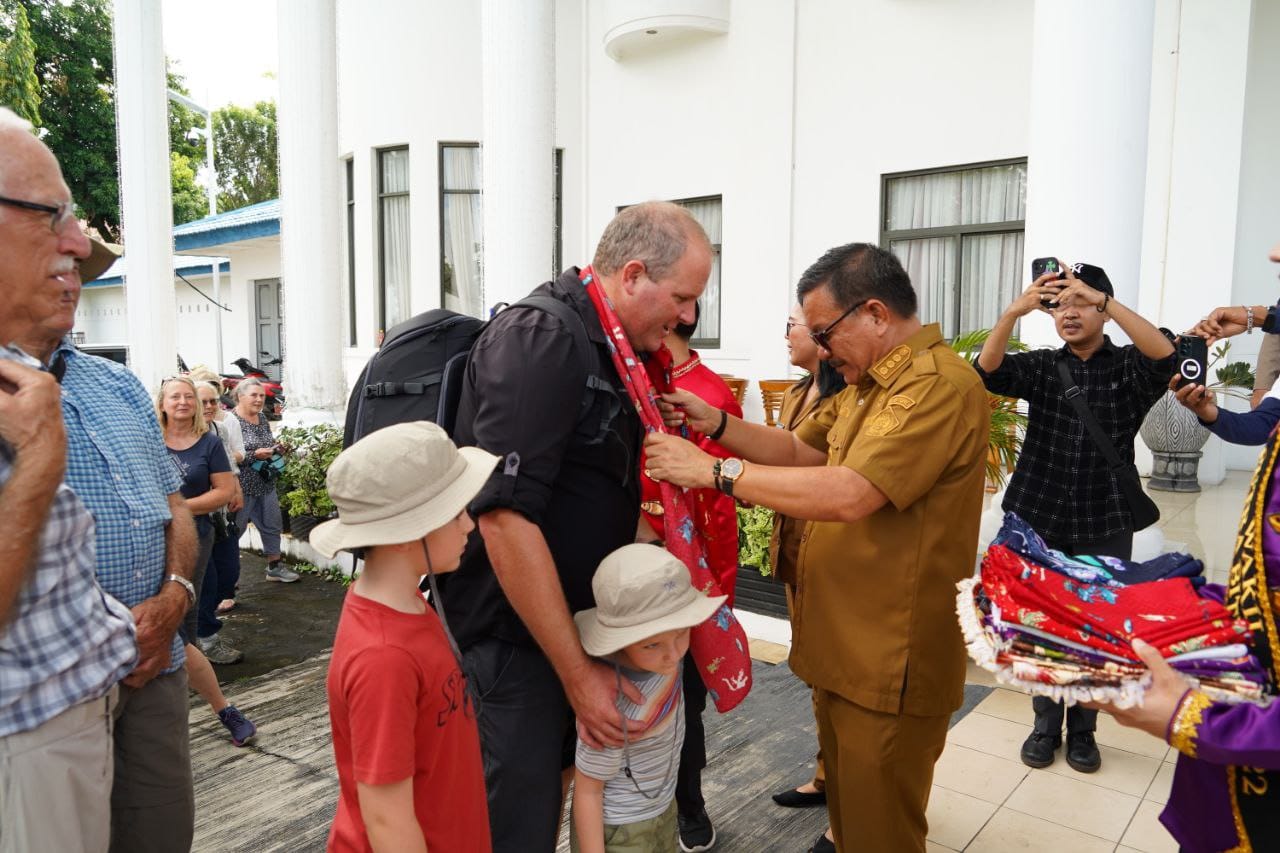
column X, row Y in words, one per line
column 1061, row 626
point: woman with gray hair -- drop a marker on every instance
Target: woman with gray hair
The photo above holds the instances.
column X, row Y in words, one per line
column 258, row 476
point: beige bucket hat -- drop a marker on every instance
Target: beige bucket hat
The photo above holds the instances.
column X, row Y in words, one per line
column 397, row 485
column 640, row 591
column 101, row 257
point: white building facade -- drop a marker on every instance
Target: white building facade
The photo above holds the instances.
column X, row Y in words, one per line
column 969, row 137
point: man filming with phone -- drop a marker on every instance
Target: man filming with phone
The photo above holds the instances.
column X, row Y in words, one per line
column 1082, row 497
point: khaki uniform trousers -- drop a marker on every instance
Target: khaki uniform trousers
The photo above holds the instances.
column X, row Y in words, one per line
column 879, row 771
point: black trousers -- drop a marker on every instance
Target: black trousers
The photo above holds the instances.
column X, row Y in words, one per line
column 693, row 755
column 1049, row 714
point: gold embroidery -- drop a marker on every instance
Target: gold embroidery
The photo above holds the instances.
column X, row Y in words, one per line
column 902, row 400
column 1274, row 521
column 1242, row 834
column 1184, row 729
column 884, row 423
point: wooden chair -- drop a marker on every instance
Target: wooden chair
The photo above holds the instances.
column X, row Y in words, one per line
column 771, row 391
column 737, row 385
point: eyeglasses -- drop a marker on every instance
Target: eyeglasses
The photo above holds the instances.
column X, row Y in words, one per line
column 58, row 214
column 791, row 324
column 822, row 337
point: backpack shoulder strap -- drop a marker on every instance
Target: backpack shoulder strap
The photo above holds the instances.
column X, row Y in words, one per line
column 571, row 318
column 582, row 345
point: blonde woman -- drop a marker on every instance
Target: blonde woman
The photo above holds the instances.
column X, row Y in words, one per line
column 207, row 485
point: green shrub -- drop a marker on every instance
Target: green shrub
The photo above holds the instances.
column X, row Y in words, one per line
column 755, row 530
column 302, row 484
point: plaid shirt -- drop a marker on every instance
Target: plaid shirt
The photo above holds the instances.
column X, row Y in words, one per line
column 118, row 465
column 1062, row 485
column 66, row 641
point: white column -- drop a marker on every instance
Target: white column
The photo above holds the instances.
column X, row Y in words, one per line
column 310, row 208
column 142, row 125
column 518, row 94
column 1087, row 141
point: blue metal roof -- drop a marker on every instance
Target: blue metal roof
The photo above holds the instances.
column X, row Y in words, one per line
column 193, row 270
column 245, row 223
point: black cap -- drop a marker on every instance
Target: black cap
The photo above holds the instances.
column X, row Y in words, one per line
column 1095, row 277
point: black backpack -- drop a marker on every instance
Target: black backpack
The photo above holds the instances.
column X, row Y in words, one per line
column 417, row 374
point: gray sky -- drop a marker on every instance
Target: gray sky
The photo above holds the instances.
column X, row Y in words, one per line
column 223, row 48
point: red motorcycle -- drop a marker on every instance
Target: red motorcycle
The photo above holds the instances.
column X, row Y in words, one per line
column 274, row 406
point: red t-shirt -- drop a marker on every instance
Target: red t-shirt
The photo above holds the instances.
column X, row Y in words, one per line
column 398, row 709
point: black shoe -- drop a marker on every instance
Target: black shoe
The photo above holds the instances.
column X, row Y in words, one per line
column 1082, row 753
column 1038, row 749
column 793, row 799
column 823, row 845
column 696, row 832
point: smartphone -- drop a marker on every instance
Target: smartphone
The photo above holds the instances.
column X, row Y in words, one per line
column 1192, row 358
column 1039, row 267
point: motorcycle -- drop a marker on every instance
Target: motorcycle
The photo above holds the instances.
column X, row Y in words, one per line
column 274, row 406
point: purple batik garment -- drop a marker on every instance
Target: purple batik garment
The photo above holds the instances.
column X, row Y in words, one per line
column 1199, row 812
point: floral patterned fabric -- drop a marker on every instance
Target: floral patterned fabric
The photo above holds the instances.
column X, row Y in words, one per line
column 719, row 645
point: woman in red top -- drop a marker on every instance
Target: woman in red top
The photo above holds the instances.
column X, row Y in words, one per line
column 673, row 366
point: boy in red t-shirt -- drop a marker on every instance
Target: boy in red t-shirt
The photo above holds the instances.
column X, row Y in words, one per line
column 404, row 727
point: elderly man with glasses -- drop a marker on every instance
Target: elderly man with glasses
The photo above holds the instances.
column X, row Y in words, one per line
column 118, row 468
column 888, row 474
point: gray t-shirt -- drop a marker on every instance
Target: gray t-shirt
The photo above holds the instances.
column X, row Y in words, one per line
column 653, row 756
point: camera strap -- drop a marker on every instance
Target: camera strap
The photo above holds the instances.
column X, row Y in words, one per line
column 1142, row 509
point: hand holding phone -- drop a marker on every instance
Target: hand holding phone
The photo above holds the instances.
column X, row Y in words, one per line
column 1041, row 267
column 1191, row 358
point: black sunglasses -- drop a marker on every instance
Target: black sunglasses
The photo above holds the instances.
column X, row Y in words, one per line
column 822, row 337
column 57, row 213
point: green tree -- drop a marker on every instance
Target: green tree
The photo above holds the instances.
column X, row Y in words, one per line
column 189, row 199
column 19, row 87
column 245, row 154
column 74, row 67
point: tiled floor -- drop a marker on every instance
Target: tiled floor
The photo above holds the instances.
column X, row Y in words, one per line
column 985, row 799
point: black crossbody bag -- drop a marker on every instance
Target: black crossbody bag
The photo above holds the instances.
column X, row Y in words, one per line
column 1144, row 510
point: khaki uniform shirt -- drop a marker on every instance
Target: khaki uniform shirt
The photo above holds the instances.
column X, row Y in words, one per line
column 785, row 545
column 875, row 600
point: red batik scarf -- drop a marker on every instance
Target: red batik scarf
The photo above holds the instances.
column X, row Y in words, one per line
column 719, row 645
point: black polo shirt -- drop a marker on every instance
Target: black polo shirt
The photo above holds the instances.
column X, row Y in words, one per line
column 577, row 472
column 1062, row 484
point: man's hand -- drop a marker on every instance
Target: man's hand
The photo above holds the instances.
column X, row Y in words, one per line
column 1045, row 288
column 1161, row 699
column 1077, row 292
column 31, row 414
column 593, row 693
column 1221, row 323
column 1197, row 398
column 157, row 619
column 671, row 459
column 681, row 407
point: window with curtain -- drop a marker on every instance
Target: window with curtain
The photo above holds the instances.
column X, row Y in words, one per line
column 708, row 211
column 959, row 233
column 349, row 169
column 393, row 235
column 462, row 227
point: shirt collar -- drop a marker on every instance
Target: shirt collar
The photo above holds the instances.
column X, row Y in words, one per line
column 891, row 365
column 1107, row 348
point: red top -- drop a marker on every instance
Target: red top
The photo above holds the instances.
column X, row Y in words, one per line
column 714, row 513
column 398, row 709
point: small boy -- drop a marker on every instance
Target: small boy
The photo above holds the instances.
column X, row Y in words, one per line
column 624, row 798
column 404, row 728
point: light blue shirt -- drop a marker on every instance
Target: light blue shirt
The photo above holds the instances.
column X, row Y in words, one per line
column 119, row 467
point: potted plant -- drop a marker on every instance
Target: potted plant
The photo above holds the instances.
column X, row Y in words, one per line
column 1008, row 425
column 303, row 495
column 757, row 590
column 1175, row 435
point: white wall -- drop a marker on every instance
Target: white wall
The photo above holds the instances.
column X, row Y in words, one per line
column 101, row 316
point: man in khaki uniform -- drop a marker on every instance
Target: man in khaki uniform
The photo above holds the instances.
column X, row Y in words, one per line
column 889, row 473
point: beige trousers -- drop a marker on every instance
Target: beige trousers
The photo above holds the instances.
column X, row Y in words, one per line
column 55, row 782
